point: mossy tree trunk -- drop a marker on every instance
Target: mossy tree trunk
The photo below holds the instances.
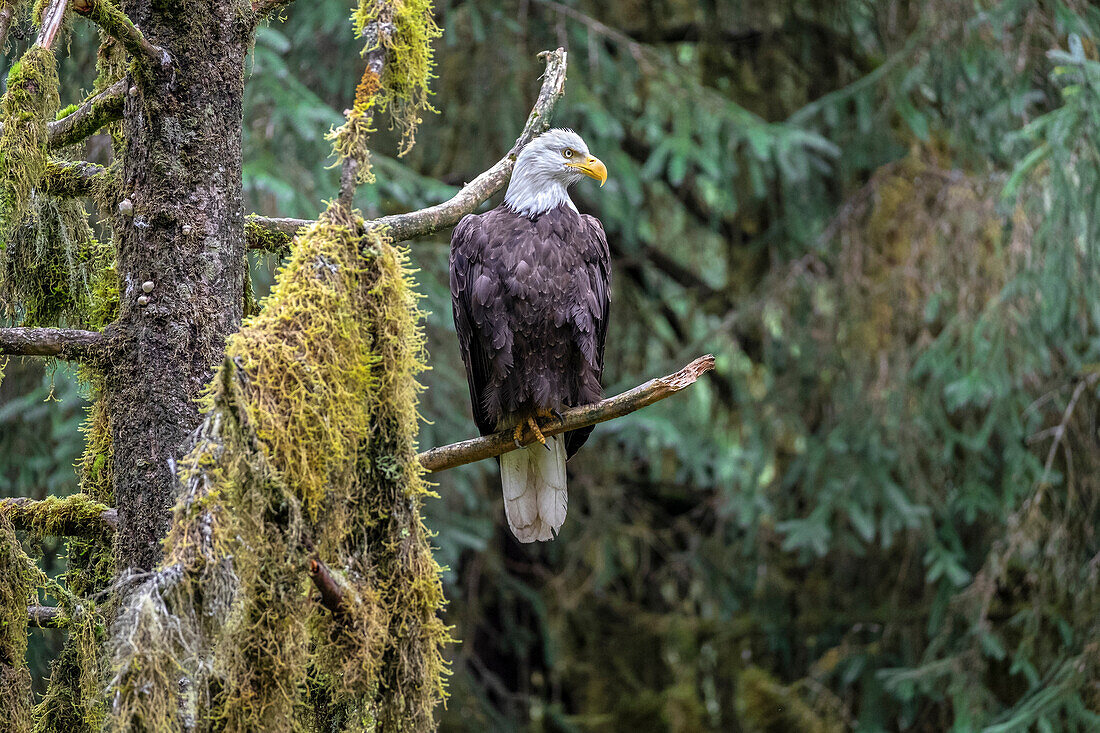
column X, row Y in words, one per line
column 183, row 231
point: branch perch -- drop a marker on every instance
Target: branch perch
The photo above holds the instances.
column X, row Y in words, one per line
column 71, row 516
column 477, row 449
column 74, row 179
column 275, row 235
column 60, row 342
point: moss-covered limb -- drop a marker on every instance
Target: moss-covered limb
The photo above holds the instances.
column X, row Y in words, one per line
column 764, row 705
column 30, row 102
column 16, row 594
column 52, row 16
column 78, row 178
column 115, row 24
column 477, row 449
column 71, row 516
column 63, row 343
column 73, row 702
column 272, row 234
column 400, row 227
column 86, row 118
column 89, row 116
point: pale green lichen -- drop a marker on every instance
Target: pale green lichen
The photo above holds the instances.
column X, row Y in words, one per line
column 403, row 30
column 307, row 454
column 16, row 593
column 28, row 105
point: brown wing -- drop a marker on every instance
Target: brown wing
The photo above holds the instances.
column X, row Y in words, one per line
column 467, row 243
column 597, row 259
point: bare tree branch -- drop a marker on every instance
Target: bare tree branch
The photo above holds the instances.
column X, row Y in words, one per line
column 7, row 13
column 51, row 22
column 60, row 342
column 71, row 516
column 92, row 114
column 476, row 449
column 400, row 227
column 115, row 24
column 46, row 617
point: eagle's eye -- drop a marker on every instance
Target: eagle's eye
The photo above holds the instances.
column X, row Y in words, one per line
column 568, row 152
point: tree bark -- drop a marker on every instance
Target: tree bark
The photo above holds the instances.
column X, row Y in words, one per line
column 183, row 231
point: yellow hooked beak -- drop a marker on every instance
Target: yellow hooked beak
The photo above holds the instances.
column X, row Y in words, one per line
column 592, row 167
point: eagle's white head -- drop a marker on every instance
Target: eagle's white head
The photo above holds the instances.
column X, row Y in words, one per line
column 546, row 168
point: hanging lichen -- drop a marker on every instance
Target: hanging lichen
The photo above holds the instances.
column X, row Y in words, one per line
column 16, row 592
column 29, row 104
column 398, row 44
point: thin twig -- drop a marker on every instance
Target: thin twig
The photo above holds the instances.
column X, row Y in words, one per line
column 468, row 451
column 426, row 221
column 28, row 514
column 60, row 342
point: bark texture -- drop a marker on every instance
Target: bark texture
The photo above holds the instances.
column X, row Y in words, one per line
column 182, row 230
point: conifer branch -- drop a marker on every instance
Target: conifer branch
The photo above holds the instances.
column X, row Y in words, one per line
column 331, row 593
column 280, row 232
column 74, row 179
column 92, row 114
column 115, row 24
column 60, row 342
column 476, row 449
column 46, row 617
column 71, row 516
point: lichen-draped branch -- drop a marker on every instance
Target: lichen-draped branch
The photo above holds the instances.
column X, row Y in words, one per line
column 275, row 235
column 46, row 617
column 71, row 516
column 262, row 8
column 89, row 116
column 72, row 179
column 7, row 14
column 476, row 449
column 115, row 24
column 63, row 343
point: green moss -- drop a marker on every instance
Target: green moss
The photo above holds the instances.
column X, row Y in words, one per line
column 16, row 593
column 766, row 706
column 55, row 516
column 268, row 240
column 401, row 88
column 29, row 103
column 66, row 111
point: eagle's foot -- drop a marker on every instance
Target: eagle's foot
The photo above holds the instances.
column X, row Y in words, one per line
column 536, row 433
column 550, row 414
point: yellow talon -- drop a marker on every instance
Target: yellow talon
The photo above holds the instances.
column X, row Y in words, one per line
column 535, row 429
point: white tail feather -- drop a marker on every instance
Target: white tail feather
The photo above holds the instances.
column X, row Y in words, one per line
column 535, row 499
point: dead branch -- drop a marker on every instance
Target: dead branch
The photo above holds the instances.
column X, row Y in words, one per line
column 46, row 617
column 279, row 232
column 92, row 114
column 115, row 24
column 51, row 22
column 331, row 593
column 59, row 517
column 7, row 13
column 476, row 449
column 63, row 343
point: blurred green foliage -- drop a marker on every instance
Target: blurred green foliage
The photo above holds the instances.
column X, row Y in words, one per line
column 880, row 512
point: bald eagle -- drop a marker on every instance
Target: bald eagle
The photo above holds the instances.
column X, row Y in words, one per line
column 530, row 290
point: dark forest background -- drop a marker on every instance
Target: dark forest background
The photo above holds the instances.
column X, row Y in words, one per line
column 880, row 511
